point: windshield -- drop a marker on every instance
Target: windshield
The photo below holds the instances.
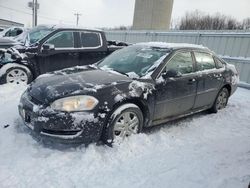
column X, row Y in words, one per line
column 33, row 35
column 134, row 59
column 38, row 33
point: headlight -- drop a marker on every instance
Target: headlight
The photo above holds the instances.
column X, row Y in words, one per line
column 75, row 103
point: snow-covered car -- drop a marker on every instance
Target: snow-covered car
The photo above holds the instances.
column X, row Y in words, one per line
column 12, row 32
column 27, row 38
column 139, row 86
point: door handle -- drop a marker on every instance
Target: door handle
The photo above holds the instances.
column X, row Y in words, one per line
column 191, row 81
column 73, row 54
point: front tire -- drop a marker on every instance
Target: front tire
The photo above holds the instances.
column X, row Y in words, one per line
column 17, row 75
column 221, row 100
column 125, row 121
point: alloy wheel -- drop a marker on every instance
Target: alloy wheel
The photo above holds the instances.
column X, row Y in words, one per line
column 222, row 100
column 17, row 76
column 126, row 124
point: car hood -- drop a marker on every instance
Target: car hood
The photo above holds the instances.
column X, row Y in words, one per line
column 74, row 81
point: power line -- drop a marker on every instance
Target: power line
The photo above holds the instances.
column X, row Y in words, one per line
column 15, row 10
column 49, row 18
column 40, row 15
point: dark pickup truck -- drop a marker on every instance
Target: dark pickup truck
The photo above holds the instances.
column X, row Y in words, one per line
column 53, row 48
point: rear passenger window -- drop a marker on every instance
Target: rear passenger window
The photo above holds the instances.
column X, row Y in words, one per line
column 204, row 61
column 182, row 63
column 90, row 39
column 63, row 39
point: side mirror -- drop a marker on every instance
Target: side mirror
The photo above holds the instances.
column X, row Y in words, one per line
column 171, row 73
column 48, row 47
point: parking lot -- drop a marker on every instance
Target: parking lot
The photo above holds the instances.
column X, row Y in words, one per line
column 204, row 150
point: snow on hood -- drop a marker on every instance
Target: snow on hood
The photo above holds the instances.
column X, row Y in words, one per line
column 16, row 52
column 73, row 81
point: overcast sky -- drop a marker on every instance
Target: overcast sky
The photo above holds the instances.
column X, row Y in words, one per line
column 110, row 13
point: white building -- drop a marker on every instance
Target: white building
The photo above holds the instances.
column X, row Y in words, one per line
column 152, row 14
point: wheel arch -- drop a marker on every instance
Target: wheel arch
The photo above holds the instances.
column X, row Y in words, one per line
column 228, row 87
column 143, row 107
column 138, row 102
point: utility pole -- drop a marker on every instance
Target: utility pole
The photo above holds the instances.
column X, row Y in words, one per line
column 34, row 6
column 77, row 18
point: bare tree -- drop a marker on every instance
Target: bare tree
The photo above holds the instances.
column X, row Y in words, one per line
column 246, row 23
column 200, row 21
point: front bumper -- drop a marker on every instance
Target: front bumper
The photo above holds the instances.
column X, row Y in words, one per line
column 78, row 127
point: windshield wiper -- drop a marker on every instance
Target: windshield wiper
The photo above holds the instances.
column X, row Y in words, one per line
column 123, row 73
column 110, row 70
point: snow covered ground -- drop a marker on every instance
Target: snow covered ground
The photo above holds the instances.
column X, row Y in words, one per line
column 201, row 151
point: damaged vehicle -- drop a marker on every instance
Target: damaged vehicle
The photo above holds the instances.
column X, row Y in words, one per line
column 50, row 48
column 142, row 85
column 12, row 32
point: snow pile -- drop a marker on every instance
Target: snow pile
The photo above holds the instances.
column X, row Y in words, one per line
column 81, row 118
column 201, row 151
column 136, row 88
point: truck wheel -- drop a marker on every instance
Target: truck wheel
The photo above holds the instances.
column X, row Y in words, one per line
column 126, row 120
column 221, row 100
column 18, row 75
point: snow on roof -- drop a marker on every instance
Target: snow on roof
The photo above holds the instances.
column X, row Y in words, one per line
column 63, row 26
column 171, row 45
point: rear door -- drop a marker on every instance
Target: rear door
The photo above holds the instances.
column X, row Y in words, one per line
column 209, row 79
column 64, row 55
column 176, row 95
column 92, row 47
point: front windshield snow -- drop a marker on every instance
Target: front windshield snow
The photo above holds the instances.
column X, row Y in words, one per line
column 38, row 33
column 134, row 59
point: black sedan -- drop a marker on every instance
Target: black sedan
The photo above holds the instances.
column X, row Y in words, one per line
column 139, row 86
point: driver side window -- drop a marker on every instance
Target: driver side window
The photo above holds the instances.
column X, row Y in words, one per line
column 182, row 63
column 63, row 39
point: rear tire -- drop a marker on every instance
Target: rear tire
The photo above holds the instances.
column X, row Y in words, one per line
column 221, row 100
column 124, row 121
column 17, row 75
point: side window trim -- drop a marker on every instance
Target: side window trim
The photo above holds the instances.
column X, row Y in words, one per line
column 95, row 47
column 65, row 48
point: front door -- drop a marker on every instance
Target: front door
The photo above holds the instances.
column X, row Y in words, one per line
column 176, row 95
column 64, row 55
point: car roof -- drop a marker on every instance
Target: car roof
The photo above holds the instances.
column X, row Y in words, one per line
column 63, row 27
column 174, row 46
